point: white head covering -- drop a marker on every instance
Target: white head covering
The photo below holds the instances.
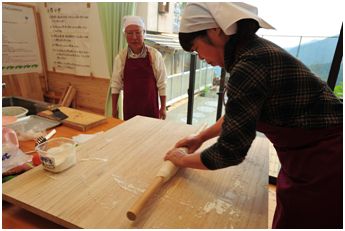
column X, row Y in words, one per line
column 133, row 20
column 206, row 15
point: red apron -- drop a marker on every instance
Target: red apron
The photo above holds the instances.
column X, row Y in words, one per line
column 310, row 182
column 140, row 89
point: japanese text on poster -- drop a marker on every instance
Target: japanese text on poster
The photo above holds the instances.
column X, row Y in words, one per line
column 69, row 38
column 20, row 50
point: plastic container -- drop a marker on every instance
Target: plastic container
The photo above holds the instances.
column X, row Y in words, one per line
column 6, row 120
column 12, row 156
column 57, row 154
column 14, row 111
column 9, row 138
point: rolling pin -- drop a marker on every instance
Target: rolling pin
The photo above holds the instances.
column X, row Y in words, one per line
column 164, row 174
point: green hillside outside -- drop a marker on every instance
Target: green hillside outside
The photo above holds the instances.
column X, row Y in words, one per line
column 318, row 56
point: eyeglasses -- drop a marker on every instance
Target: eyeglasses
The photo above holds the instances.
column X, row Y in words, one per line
column 136, row 33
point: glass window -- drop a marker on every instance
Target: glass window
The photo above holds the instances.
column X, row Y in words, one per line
column 315, row 52
column 338, row 90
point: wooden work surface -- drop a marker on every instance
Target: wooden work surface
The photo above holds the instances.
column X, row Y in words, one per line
column 115, row 167
column 14, row 217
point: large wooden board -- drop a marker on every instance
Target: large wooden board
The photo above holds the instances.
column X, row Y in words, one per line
column 114, row 168
column 77, row 119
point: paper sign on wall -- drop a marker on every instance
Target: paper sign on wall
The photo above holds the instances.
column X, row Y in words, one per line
column 68, row 26
column 20, row 50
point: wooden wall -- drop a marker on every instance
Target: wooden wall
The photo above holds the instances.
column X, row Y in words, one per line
column 29, row 86
column 91, row 92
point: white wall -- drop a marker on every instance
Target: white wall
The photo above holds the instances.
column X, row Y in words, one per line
column 166, row 20
column 153, row 20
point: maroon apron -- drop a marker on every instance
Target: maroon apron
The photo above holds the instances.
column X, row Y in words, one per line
column 310, row 182
column 140, row 89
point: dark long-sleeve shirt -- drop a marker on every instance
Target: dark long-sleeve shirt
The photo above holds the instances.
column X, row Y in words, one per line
column 268, row 84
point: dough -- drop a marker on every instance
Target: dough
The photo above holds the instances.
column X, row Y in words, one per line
column 167, row 170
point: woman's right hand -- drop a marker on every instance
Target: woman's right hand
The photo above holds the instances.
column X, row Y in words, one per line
column 192, row 143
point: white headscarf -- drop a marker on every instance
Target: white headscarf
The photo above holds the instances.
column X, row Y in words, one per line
column 207, row 15
column 133, row 20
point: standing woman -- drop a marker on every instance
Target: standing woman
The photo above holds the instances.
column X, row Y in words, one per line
column 140, row 72
column 272, row 92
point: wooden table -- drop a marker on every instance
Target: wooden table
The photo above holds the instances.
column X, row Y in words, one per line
column 14, row 217
column 115, row 168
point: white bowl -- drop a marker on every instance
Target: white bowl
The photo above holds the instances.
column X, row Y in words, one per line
column 14, row 111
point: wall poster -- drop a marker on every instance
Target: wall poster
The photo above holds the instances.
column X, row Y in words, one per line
column 20, row 48
column 69, row 39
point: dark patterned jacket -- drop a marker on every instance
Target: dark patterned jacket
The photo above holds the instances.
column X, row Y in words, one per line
column 269, row 85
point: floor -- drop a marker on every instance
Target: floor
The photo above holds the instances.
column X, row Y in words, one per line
column 205, row 111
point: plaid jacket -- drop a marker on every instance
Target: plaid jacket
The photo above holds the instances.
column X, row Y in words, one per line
column 268, row 84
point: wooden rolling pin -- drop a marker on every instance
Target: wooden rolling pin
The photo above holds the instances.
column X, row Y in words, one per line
column 164, row 174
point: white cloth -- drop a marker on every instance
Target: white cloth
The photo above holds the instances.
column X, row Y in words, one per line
column 207, row 15
column 116, row 82
column 132, row 20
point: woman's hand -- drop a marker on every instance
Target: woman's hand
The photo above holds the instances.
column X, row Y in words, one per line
column 180, row 158
column 176, row 156
column 162, row 113
column 192, row 143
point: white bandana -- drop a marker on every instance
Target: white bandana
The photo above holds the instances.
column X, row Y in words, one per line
column 133, row 20
column 207, row 15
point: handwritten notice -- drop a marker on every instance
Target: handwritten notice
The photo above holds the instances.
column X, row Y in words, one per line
column 69, row 38
column 20, row 49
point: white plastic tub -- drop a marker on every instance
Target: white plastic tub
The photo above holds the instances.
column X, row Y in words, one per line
column 57, row 154
column 14, row 111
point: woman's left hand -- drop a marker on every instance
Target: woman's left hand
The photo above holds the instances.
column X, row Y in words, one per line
column 176, row 156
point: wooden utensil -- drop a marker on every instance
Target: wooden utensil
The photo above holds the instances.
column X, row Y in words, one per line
column 165, row 173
